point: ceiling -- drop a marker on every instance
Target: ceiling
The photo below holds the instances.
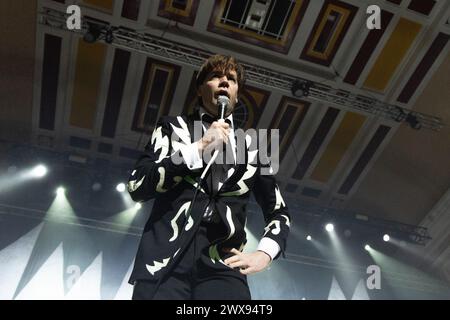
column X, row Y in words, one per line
column 100, row 101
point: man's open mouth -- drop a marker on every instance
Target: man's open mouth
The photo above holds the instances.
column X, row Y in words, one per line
column 222, row 93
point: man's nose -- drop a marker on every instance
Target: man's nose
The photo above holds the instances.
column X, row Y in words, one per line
column 223, row 81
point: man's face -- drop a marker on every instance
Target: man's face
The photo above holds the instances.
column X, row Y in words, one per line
column 216, row 84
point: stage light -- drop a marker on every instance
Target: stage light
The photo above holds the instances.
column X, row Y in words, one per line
column 367, row 247
column 138, row 206
column 412, row 120
column 386, row 237
column 308, row 238
column 109, row 36
column 96, row 186
column 93, row 33
column 39, row 171
column 120, row 187
column 300, row 88
column 60, row 191
column 329, row 227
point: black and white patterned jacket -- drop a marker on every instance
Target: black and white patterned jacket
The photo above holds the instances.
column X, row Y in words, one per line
column 157, row 175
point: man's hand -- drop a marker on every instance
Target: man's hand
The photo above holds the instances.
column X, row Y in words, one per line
column 215, row 136
column 248, row 263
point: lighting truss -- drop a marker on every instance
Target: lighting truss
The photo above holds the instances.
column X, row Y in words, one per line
column 319, row 214
column 179, row 53
column 91, row 223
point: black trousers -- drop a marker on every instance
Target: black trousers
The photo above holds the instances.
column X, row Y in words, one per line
column 196, row 277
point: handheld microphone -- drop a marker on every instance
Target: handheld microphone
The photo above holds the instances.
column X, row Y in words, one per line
column 223, row 102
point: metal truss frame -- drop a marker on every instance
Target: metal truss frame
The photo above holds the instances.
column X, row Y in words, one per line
column 151, row 45
column 315, row 214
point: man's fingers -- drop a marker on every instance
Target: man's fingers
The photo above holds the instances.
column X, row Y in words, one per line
column 247, row 271
column 219, row 133
column 235, row 258
column 235, row 251
column 231, row 259
column 224, row 130
column 218, row 136
column 217, row 124
column 224, row 134
column 237, row 264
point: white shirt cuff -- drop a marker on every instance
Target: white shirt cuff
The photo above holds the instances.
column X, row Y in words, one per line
column 191, row 156
column 269, row 246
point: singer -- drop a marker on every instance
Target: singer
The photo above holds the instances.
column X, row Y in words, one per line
column 192, row 244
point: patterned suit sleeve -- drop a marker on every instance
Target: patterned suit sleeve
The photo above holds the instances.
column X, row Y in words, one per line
column 159, row 167
column 277, row 218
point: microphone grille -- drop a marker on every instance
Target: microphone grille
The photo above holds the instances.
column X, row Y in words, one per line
column 223, row 100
